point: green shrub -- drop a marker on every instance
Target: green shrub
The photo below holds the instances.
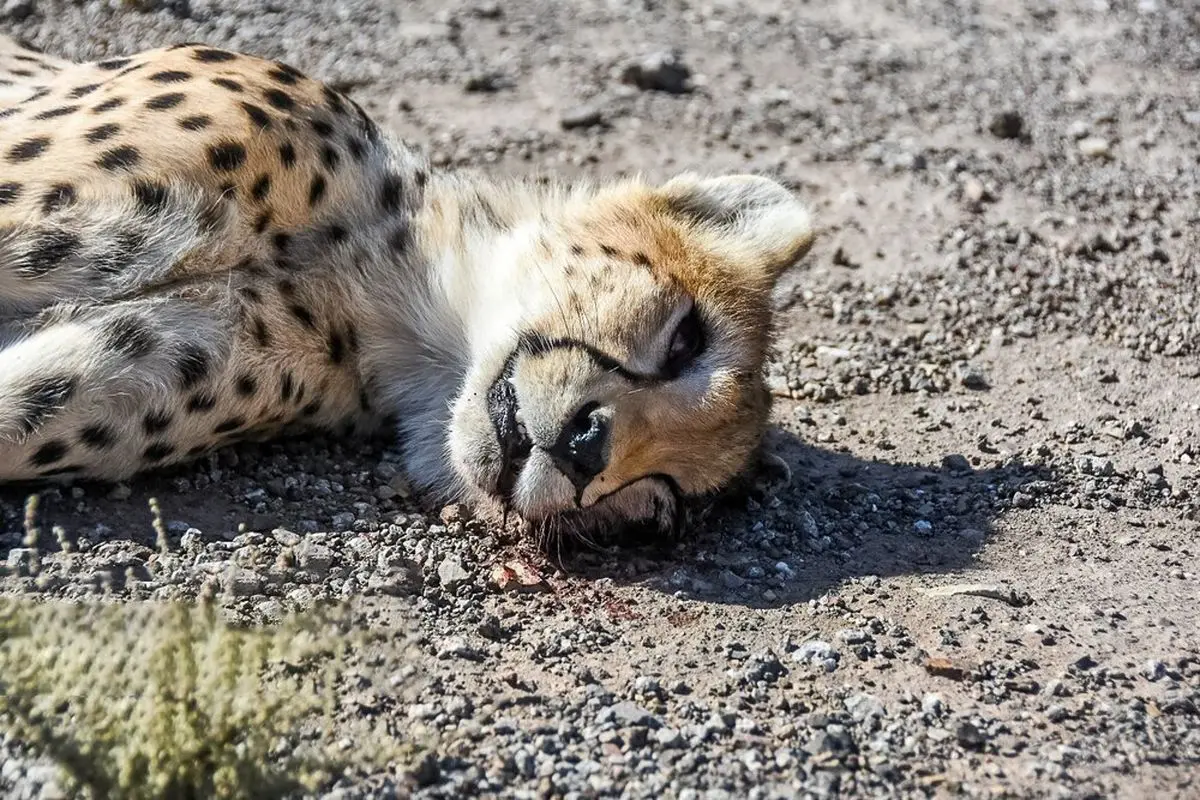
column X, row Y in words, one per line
column 140, row 700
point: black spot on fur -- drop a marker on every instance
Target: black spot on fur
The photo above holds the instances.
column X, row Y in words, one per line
column 611, row 252
column 38, row 95
column 42, row 399
column 226, row 83
column 336, row 234
column 113, row 64
column 158, row 451
column 421, row 177
column 151, row 196
column 164, row 101
column 576, row 250
column 109, row 104
column 30, row 148
column 287, row 155
column 121, row 157
column 264, row 220
column 259, row 117
column 364, row 401
column 358, row 151
column 171, row 76
column 9, row 192
column 102, row 132
column 321, row 127
column 97, row 437
column 642, row 259
column 82, row 91
column 258, row 329
column 333, row 100
column 52, row 451
column 8, row 112
column 209, row 55
column 281, row 100
column 58, row 196
column 130, row 335
column 286, row 288
column 287, row 386
column 303, row 315
column 246, row 385
column 317, row 190
column 285, row 74
column 330, row 157
column 49, row 250
column 261, row 188
column 336, row 347
column 311, row 409
column 193, row 366
column 201, row 402
column 281, row 242
column 195, row 122
column 389, row 193
column 156, row 422
column 229, row 425
column 52, row 113
column 401, row 238
column 226, row 156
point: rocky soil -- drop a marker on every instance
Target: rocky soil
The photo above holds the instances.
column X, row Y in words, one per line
column 971, row 565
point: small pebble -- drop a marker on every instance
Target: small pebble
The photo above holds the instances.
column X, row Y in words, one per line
column 662, row 71
column 1094, row 147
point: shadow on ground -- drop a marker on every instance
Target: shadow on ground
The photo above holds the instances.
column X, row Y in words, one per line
column 806, row 520
column 836, row 517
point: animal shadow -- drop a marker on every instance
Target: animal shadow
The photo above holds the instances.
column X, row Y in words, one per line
column 808, row 518
column 801, row 522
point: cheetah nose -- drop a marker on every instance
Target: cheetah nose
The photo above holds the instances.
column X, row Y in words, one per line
column 581, row 452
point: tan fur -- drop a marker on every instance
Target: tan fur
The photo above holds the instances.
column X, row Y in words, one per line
column 199, row 246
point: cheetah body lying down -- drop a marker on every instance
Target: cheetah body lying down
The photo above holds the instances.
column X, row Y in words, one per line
column 199, row 246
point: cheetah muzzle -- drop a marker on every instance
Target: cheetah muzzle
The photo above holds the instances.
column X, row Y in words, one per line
column 199, row 246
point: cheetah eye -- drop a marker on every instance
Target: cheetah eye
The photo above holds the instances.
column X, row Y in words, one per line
column 686, row 344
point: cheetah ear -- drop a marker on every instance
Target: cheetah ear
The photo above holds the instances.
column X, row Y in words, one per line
column 754, row 220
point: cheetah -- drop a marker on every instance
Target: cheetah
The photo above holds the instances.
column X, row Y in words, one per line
column 200, row 246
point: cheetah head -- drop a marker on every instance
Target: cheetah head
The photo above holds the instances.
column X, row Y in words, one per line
column 629, row 375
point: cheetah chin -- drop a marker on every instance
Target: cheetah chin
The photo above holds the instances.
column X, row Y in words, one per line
column 199, row 246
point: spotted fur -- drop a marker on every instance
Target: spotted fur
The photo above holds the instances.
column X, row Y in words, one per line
column 199, row 246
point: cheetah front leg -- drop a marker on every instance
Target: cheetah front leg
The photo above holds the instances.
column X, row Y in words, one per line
column 105, row 391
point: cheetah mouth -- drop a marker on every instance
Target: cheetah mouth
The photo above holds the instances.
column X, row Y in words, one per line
column 515, row 444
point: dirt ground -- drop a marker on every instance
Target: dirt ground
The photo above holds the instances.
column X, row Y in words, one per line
column 989, row 380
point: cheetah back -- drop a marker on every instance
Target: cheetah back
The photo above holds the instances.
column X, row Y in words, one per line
column 170, row 225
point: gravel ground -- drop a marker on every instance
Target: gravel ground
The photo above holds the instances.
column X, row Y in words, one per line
column 972, row 565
